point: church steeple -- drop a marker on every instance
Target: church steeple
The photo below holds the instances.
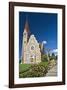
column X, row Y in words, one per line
column 27, row 26
column 27, row 29
column 26, row 35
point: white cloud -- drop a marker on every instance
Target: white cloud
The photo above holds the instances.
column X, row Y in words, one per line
column 54, row 51
column 44, row 42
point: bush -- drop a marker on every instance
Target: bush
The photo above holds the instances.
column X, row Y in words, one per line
column 36, row 70
column 53, row 57
column 44, row 58
column 51, row 63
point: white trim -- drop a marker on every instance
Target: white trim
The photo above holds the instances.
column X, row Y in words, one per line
column 17, row 80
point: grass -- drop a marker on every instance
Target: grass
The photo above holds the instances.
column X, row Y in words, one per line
column 24, row 67
column 33, row 70
column 44, row 63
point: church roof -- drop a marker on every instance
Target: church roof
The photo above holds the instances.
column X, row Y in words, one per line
column 27, row 29
column 27, row 26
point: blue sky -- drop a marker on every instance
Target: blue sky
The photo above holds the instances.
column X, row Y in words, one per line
column 42, row 25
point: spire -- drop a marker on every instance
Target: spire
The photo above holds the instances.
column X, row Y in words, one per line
column 27, row 28
column 27, row 25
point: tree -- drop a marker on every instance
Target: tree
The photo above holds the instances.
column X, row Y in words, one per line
column 20, row 61
column 56, row 57
column 48, row 53
column 53, row 56
column 44, row 58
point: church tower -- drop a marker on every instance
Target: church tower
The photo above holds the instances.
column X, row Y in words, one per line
column 26, row 34
column 31, row 53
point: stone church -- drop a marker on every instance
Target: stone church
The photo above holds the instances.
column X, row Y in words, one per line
column 31, row 49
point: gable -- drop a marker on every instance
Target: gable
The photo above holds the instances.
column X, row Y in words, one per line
column 32, row 44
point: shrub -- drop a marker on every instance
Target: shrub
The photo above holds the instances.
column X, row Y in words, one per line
column 52, row 63
column 53, row 57
column 44, row 58
column 36, row 70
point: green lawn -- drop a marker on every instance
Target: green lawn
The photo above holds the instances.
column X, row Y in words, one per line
column 44, row 63
column 33, row 70
column 24, row 67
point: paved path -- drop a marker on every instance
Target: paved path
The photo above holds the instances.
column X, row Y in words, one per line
column 52, row 72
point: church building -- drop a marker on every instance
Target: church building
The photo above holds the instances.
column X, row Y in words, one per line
column 31, row 50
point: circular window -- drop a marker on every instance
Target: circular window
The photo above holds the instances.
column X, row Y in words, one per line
column 32, row 47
